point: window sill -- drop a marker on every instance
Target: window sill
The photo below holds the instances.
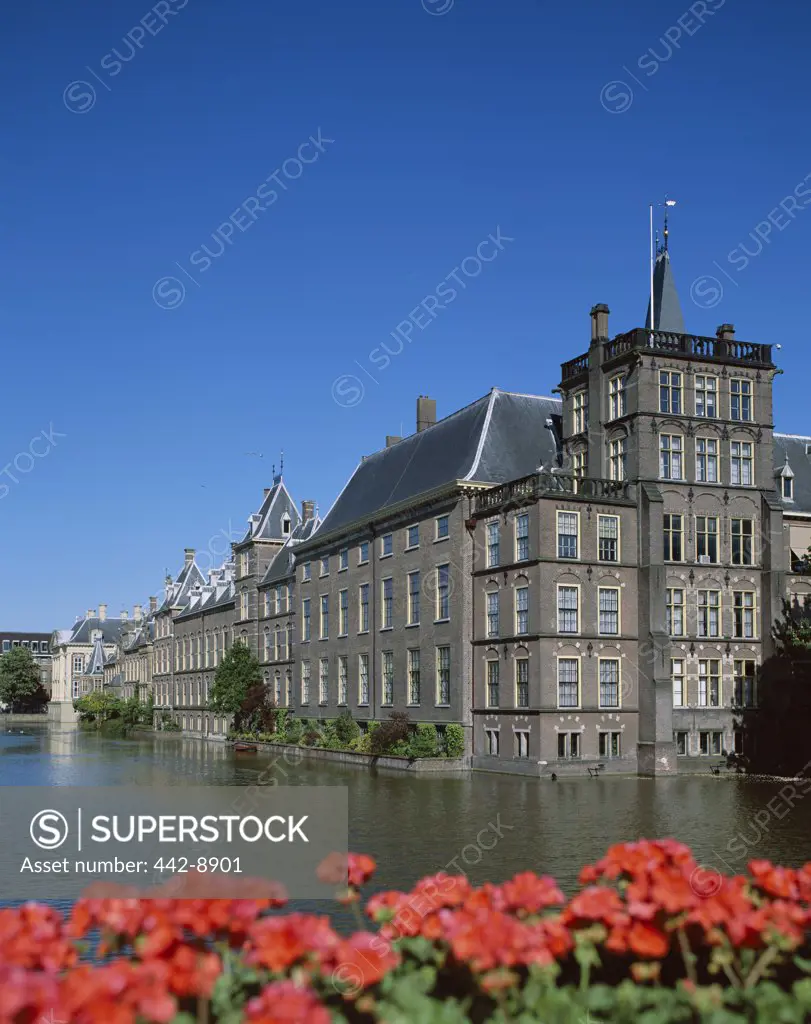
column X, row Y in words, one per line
column 414, row 547
column 439, row 621
column 441, row 705
column 412, row 704
column 389, row 555
column 411, row 625
column 366, row 562
column 363, row 632
column 386, row 629
column 362, row 705
column 344, row 568
column 439, row 540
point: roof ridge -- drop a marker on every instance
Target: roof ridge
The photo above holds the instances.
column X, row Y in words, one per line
column 795, row 437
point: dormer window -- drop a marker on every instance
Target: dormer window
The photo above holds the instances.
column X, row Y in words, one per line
column 285, row 525
column 788, row 488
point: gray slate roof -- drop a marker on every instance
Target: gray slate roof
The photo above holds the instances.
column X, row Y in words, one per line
column 282, row 565
column 266, row 524
column 95, row 664
column 792, row 448
column 110, row 630
column 500, row 437
column 218, row 593
column 177, row 593
column 666, row 305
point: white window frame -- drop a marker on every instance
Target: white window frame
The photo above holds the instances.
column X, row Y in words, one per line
column 567, row 558
column 617, row 458
column 741, row 395
column 671, row 605
column 743, row 608
column 707, row 460
column 576, row 659
column 580, row 411
column 671, row 456
column 708, row 608
column 617, row 396
column 618, row 539
column 616, row 590
column 678, row 680
column 703, row 378
column 521, row 536
column 600, row 662
column 575, row 588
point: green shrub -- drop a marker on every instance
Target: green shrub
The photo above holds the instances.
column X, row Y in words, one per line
column 293, row 730
column 362, row 744
column 395, row 730
column 424, row 742
column 346, row 728
column 454, row 740
column 114, row 728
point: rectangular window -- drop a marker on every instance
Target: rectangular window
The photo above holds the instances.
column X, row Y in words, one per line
column 616, row 397
column 706, row 396
column 707, row 539
column 491, row 736
column 681, row 744
column 787, row 488
column 741, row 464
column 413, row 598
column 744, row 605
column 710, row 743
column 363, row 679
column 386, row 545
column 609, row 682
column 443, row 592
column 568, row 609
column 522, row 537
column 744, row 677
column 323, row 682
column 522, row 683
column 492, row 614
column 671, row 457
column 492, row 544
column 677, row 676
column 521, row 743
column 580, row 412
column 675, row 611
column 266, row 603
column 568, row 531
column 387, row 603
column 324, row 566
column 709, row 683
column 492, row 684
column 267, row 645
column 363, row 553
column 243, row 604
column 306, row 572
column 568, row 682
column 442, row 527
column 324, row 630
column 343, row 613
column 740, row 399
column 414, row 676
column 580, row 464
column 305, row 682
column 305, row 619
column 363, row 601
column 568, row 744
column 670, row 392
column 707, row 460
column 617, row 452
column 609, row 611
column 709, row 613
column 608, row 538
column 443, row 675
column 343, row 560
column 388, row 677
column 343, row 679
column 413, row 537
column 522, row 611
column 610, row 744
column 674, row 537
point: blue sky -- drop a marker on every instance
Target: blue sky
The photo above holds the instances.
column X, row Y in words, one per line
column 132, row 134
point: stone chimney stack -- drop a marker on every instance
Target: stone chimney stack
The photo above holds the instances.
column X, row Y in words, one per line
column 599, row 323
column 137, row 612
column 307, row 510
column 153, row 604
column 267, row 491
column 726, row 332
column 91, row 613
column 392, row 439
column 102, row 612
column 125, row 615
column 189, row 555
column 426, row 412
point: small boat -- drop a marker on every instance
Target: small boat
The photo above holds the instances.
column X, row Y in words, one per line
column 245, row 748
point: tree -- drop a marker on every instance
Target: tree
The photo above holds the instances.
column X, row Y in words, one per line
column 20, row 678
column 236, row 674
column 775, row 733
column 257, row 713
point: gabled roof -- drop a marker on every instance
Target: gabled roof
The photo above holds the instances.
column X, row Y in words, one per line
column 276, row 507
column 95, row 664
column 666, row 305
column 83, row 629
column 500, row 437
column 218, row 593
column 282, row 565
column 793, row 449
column 177, row 593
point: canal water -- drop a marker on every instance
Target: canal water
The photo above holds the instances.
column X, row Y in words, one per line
column 489, row 826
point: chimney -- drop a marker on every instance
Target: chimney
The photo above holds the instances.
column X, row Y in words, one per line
column 426, row 412
column 726, row 332
column 124, row 615
column 307, row 510
column 137, row 612
column 392, row 440
column 267, row 491
column 189, row 554
column 91, row 613
column 153, row 604
column 102, row 612
column 599, row 323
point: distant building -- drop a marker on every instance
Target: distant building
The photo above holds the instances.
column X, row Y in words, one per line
column 39, row 644
column 72, row 650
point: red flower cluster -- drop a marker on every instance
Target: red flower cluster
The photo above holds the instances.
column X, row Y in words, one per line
column 645, row 901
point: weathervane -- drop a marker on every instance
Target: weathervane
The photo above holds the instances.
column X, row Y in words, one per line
column 654, row 252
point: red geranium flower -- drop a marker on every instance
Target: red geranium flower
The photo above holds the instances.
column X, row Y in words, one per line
column 284, row 1002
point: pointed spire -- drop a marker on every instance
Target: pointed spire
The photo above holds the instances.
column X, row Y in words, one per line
column 667, row 308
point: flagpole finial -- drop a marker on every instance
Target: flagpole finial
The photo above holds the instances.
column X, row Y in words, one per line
column 668, row 203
